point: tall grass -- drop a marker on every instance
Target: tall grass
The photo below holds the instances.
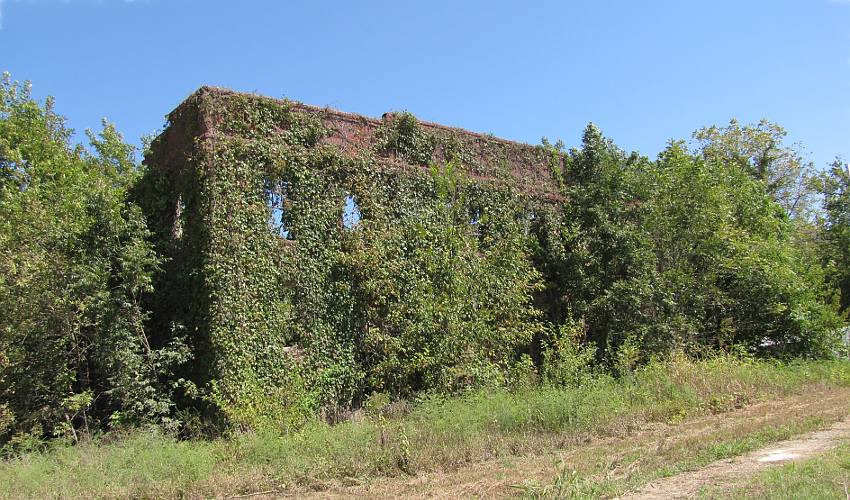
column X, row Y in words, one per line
column 436, row 433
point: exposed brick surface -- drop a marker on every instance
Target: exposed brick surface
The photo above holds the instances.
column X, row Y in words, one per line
column 525, row 165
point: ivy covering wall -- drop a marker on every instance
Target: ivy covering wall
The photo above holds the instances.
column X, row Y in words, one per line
column 316, row 258
column 292, row 309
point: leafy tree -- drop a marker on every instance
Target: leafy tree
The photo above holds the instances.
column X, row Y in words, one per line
column 728, row 261
column 759, row 150
column 74, row 264
column 834, row 185
column 594, row 254
column 688, row 252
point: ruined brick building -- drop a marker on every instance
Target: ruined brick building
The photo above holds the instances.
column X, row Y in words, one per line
column 248, row 199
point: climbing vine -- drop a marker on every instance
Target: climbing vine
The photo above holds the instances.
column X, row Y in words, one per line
column 431, row 289
column 322, row 272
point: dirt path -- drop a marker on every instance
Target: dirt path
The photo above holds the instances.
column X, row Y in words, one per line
column 625, row 456
column 725, row 473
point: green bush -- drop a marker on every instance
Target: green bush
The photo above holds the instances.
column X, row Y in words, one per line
column 74, row 265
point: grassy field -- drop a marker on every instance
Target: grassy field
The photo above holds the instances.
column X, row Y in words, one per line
column 435, row 434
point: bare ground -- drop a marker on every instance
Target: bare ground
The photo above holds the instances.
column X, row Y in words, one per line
column 630, row 460
column 725, row 473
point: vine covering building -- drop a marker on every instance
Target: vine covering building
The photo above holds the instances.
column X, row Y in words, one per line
column 315, row 256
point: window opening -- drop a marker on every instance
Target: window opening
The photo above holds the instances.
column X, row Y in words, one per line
column 351, row 213
column 276, row 201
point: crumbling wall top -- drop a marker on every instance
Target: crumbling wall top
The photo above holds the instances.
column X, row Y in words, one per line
column 485, row 157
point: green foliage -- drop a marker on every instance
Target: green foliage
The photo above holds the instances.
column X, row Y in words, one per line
column 74, row 266
column 404, row 138
column 431, row 290
column 444, row 296
column 758, row 150
column 441, row 284
column 594, row 254
column 728, row 264
column 834, row 185
column 687, row 252
column 567, row 361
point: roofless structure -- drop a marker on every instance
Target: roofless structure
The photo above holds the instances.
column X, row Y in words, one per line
column 295, row 234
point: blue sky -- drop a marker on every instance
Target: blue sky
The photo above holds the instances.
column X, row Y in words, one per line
column 644, row 71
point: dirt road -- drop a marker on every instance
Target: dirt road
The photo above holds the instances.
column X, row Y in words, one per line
column 725, row 473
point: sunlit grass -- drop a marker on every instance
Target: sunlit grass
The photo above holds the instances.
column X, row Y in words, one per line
column 436, row 434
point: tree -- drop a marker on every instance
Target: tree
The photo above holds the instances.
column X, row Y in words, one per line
column 759, row 150
column 834, row 185
column 729, row 266
column 594, row 254
column 74, row 265
column 688, row 252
